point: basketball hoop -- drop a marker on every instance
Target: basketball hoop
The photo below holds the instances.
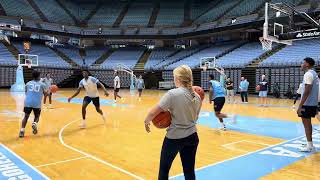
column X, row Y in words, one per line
column 266, row 44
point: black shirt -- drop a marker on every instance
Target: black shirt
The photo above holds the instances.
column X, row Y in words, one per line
column 263, row 85
column 228, row 83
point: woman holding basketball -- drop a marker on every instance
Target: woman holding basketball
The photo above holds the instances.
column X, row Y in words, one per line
column 184, row 105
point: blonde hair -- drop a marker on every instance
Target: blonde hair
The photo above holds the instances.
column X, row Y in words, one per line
column 184, row 74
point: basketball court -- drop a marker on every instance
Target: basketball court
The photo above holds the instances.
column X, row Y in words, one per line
column 263, row 142
column 267, row 139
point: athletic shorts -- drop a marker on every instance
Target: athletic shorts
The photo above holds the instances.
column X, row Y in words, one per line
column 117, row 90
column 36, row 111
column 318, row 106
column 230, row 92
column 219, row 103
column 263, row 93
column 309, row 111
column 95, row 100
column 139, row 90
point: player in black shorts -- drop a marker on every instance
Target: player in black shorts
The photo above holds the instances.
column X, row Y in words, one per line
column 217, row 95
column 90, row 83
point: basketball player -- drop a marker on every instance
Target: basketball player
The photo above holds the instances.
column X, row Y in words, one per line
column 309, row 101
column 34, row 91
column 217, row 95
column 263, row 92
column 116, row 86
column 90, row 84
column 184, row 105
column 222, row 76
column 48, row 81
column 318, row 115
column 140, row 86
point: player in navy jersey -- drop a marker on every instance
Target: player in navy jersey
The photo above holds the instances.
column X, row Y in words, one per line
column 35, row 90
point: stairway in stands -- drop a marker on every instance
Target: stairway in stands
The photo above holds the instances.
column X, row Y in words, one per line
column 187, row 14
column 38, row 11
column 154, row 14
column 267, row 54
column 76, row 21
column 103, row 57
column 122, row 14
column 2, row 11
column 93, row 12
column 64, row 57
column 142, row 61
column 13, row 50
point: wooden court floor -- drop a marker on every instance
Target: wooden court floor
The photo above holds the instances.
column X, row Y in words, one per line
column 122, row 149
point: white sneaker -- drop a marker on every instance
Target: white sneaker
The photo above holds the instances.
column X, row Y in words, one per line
column 50, row 106
column 104, row 119
column 307, row 149
column 82, row 125
column 234, row 119
column 223, row 128
column 115, row 101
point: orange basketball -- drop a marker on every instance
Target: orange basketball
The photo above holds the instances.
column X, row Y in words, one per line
column 199, row 91
column 258, row 88
column 53, row 88
column 162, row 120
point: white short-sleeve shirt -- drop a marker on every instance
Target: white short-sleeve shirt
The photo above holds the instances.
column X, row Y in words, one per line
column 117, row 80
column 90, row 85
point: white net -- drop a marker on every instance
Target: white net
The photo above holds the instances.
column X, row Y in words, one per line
column 266, row 44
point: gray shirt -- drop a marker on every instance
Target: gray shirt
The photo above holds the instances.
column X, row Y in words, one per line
column 184, row 112
column 311, row 78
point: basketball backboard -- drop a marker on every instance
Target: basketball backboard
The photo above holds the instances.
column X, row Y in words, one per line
column 28, row 60
column 284, row 23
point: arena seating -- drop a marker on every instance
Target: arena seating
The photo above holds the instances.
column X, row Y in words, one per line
column 93, row 53
column 293, row 55
column 241, row 56
column 171, row 13
column 73, row 54
column 157, row 55
column 19, row 8
column 180, row 55
column 216, row 12
column 128, row 56
column 107, row 77
column 194, row 60
column 53, row 12
column 138, row 14
column 107, row 14
column 58, row 74
column 6, row 57
column 9, row 72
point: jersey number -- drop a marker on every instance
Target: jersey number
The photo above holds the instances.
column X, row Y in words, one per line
column 34, row 88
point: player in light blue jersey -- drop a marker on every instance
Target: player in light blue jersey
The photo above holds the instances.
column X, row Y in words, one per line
column 48, row 81
column 140, row 86
column 34, row 92
column 217, row 95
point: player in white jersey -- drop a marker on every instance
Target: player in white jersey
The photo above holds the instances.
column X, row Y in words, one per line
column 116, row 86
column 48, row 81
column 90, row 84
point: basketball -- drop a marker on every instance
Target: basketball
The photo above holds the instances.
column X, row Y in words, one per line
column 162, row 120
column 54, row 88
column 199, row 91
column 258, row 88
